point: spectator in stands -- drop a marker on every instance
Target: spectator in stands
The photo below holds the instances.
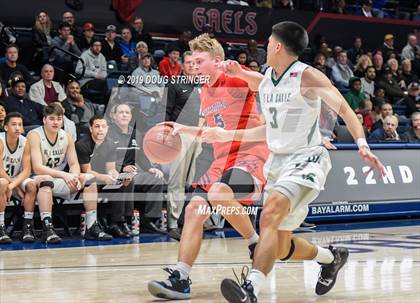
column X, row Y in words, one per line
column 341, row 72
column 3, row 114
column 66, row 41
column 386, row 110
column 378, row 63
column 169, row 66
column 356, row 50
column 393, row 65
column 253, row 65
column 76, row 32
column 46, row 91
column 407, row 74
column 392, row 89
column 413, row 134
column 365, row 109
column 79, row 109
column 96, row 154
column 368, row 81
column 412, row 100
column 10, row 66
column 95, row 72
column 367, row 11
column 339, row 7
column 42, row 34
column 332, row 59
column 365, row 129
column 320, row 64
column 386, row 133
column 141, row 49
column 283, row 4
column 355, row 96
column 255, row 52
column 145, row 71
column 88, row 35
column 127, row 45
column 130, row 158
column 110, row 48
column 416, row 16
column 242, row 58
column 416, row 63
column 388, row 47
column 409, row 51
column 182, row 42
column 139, row 34
column 18, row 102
column 362, row 63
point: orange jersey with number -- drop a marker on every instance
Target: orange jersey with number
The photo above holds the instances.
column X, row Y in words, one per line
column 230, row 104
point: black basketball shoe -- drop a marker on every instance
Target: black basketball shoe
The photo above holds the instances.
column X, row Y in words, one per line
column 28, row 234
column 328, row 273
column 49, row 235
column 238, row 292
column 4, row 238
column 173, row 288
column 95, row 232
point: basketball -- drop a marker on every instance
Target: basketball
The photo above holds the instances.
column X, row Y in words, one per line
column 160, row 146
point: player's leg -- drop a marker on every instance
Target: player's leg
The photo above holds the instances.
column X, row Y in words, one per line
column 177, row 286
column 94, row 230
column 30, row 189
column 44, row 197
column 4, row 238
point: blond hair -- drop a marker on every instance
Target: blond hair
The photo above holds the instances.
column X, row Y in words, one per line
column 204, row 43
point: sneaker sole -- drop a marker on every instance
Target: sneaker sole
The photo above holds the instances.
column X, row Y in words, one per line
column 232, row 292
column 333, row 282
column 159, row 291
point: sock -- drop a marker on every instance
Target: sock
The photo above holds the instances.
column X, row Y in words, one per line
column 254, row 239
column 46, row 217
column 90, row 218
column 28, row 215
column 184, row 269
column 2, row 218
column 324, row 256
column 257, row 279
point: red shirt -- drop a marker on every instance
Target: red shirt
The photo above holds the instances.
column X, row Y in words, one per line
column 169, row 69
column 230, row 104
column 50, row 95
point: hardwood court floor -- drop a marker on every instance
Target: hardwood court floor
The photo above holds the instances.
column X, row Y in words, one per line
column 384, row 267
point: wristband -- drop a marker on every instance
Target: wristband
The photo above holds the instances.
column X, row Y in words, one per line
column 362, row 142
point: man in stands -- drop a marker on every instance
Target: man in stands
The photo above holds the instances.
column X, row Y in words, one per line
column 169, row 66
column 46, row 91
column 368, row 81
column 341, row 72
column 386, row 133
column 10, row 66
column 110, row 48
column 386, row 110
column 88, row 35
column 68, row 17
column 139, row 34
column 52, row 151
column 413, row 134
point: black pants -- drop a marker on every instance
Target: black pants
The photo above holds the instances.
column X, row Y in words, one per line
column 120, row 202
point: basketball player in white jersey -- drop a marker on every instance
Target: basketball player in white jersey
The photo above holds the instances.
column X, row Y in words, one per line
column 52, row 150
column 16, row 169
column 291, row 94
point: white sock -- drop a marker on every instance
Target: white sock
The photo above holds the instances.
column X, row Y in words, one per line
column 324, row 256
column 257, row 279
column 90, row 218
column 44, row 215
column 2, row 218
column 184, row 270
column 28, row 215
column 254, row 239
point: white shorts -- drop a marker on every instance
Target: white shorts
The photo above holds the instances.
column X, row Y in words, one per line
column 22, row 186
column 308, row 169
column 62, row 190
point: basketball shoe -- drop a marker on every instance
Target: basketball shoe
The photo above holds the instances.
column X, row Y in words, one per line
column 328, row 273
column 173, row 288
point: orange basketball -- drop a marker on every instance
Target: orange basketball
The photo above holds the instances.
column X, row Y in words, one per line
column 160, row 146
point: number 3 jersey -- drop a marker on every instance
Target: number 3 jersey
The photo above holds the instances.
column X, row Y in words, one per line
column 12, row 160
column 230, row 104
column 292, row 119
column 53, row 153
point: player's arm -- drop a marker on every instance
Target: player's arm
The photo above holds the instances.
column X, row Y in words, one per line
column 26, row 167
column 103, row 178
column 71, row 155
column 3, row 173
column 233, row 69
column 316, row 84
column 218, row 134
column 36, row 158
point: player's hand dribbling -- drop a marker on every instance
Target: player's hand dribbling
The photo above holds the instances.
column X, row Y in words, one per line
column 215, row 134
column 373, row 160
column 230, row 67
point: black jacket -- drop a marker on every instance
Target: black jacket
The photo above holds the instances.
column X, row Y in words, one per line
column 111, row 53
column 31, row 111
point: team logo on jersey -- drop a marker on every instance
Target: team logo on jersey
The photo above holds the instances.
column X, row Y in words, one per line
column 133, row 142
column 215, row 107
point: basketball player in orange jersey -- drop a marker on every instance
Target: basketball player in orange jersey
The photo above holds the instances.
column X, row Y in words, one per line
column 236, row 176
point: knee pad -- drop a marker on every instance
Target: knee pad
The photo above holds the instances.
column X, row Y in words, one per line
column 49, row 184
column 291, row 251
